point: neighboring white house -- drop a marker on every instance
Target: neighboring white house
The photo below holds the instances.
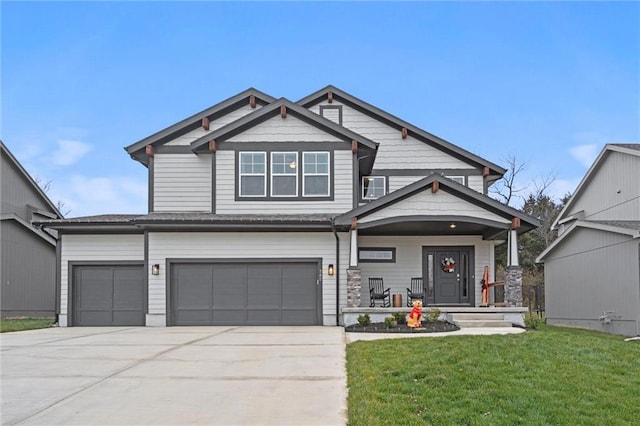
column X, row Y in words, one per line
column 259, row 208
column 592, row 270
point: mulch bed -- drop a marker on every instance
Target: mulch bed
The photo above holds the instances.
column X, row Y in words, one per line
column 380, row 327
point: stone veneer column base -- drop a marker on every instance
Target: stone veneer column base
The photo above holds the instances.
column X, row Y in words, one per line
column 354, row 287
column 513, row 286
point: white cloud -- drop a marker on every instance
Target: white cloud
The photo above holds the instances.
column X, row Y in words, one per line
column 87, row 196
column 585, row 154
column 561, row 187
column 69, row 152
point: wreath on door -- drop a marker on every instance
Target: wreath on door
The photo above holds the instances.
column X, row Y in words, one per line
column 448, row 264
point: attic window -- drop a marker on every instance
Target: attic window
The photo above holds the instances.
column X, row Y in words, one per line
column 373, row 187
column 332, row 112
column 458, row 179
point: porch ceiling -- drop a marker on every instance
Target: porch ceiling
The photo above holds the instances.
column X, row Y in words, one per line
column 435, row 226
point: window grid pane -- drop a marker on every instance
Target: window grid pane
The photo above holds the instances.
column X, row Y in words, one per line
column 253, row 174
column 284, row 174
column 316, row 174
column 373, row 187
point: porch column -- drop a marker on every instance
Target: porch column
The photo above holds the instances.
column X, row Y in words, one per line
column 354, row 279
column 513, row 275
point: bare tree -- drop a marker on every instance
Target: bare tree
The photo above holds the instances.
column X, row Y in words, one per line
column 46, row 187
column 506, row 188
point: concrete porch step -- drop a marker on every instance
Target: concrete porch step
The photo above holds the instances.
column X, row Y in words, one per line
column 477, row 316
column 482, row 323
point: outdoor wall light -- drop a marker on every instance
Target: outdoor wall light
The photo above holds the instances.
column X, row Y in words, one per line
column 155, row 269
column 452, row 226
column 330, row 270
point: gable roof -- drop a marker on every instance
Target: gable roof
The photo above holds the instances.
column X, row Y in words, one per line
column 393, row 121
column 220, row 109
column 263, row 114
column 627, row 227
column 452, row 187
column 6, row 153
column 627, row 148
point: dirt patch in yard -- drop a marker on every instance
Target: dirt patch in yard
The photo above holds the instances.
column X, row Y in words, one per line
column 380, row 327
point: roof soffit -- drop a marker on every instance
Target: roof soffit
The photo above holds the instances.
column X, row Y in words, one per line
column 398, row 123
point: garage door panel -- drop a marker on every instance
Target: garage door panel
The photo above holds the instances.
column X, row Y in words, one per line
column 264, row 286
column 110, row 295
column 264, row 293
column 228, row 287
column 194, row 291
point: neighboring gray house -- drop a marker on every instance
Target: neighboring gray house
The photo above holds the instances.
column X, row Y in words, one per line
column 266, row 211
column 592, row 270
column 28, row 270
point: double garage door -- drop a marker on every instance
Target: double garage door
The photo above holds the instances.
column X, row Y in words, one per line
column 241, row 293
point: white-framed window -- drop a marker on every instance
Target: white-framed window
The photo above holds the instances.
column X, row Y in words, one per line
column 284, row 174
column 373, row 187
column 315, row 174
column 253, row 174
column 459, row 179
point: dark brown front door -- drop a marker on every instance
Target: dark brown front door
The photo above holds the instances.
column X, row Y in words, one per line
column 448, row 274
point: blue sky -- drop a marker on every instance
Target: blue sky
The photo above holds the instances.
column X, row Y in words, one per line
column 551, row 82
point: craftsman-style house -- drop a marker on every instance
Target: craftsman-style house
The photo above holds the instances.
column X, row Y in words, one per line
column 266, row 211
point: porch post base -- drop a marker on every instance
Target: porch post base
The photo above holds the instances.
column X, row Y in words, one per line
column 354, row 287
column 513, row 286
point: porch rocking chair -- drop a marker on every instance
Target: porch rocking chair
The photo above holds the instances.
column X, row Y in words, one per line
column 416, row 292
column 378, row 292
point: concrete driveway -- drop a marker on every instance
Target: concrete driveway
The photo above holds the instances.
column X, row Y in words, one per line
column 177, row 375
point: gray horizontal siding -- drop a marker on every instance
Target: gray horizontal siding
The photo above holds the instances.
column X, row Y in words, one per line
column 27, row 274
column 278, row 129
column 182, row 182
column 613, row 192
column 592, row 272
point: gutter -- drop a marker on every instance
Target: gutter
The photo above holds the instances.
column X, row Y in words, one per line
column 335, row 234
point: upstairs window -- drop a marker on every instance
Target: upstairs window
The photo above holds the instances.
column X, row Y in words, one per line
column 253, row 179
column 284, row 174
column 373, row 187
column 315, row 174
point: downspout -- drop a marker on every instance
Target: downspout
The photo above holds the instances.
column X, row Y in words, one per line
column 335, row 234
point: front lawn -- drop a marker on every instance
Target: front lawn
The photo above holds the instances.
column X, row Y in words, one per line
column 553, row 375
column 21, row 324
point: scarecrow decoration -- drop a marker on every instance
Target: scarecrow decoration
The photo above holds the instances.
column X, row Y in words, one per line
column 413, row 320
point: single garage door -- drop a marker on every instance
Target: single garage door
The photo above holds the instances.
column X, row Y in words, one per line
column 245, row 294
column 108, row 295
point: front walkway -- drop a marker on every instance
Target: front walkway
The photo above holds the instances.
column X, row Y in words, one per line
column 471, row 331
column 174, row 376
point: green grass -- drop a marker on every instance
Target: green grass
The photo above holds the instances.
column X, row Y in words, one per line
column 552, row 376
column 21, row 324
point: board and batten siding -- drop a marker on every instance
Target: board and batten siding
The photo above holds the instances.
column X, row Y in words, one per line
column 226, row 190
column 592, row 272
column 397, row 276
column 214, row 125
column 182, row 182
column 245, row 246
column 395, row 152
column 278, row 129
column 427, row 203
column 613, row 192
column 79, row 248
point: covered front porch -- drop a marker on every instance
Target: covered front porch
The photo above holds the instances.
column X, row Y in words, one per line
column 441, row 235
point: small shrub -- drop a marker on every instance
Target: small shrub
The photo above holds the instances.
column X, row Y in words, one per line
column 400, row 317
column 432, row 315
column 532, row 321
column 364, row 320
column 390, row 322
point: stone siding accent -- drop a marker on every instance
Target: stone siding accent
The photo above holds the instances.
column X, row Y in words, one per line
column 513, row 286
column 354, row 287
